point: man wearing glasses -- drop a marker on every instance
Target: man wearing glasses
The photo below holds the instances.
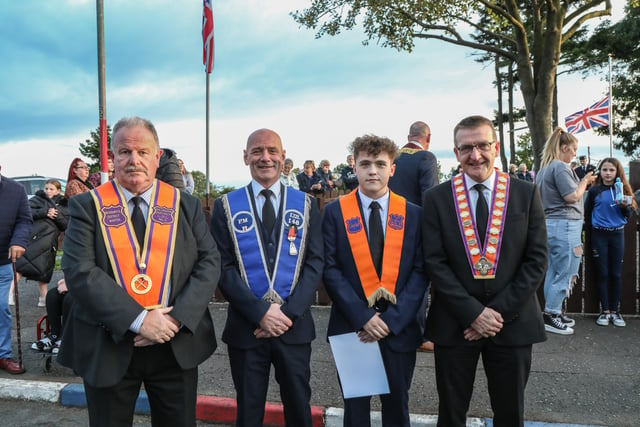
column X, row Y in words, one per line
column 485, row 252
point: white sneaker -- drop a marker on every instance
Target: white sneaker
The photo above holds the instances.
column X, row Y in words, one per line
column 553, row 324
column 603, row 319
column 618, row 320
column 41, row 302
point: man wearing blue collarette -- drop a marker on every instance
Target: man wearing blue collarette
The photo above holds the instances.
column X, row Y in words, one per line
column 269, row 237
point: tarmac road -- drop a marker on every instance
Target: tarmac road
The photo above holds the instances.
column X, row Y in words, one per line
column 589, row 378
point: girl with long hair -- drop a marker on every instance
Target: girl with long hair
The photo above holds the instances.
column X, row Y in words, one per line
column 606, row 218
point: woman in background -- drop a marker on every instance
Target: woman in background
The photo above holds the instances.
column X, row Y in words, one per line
column 77, row 178
column 561, row 192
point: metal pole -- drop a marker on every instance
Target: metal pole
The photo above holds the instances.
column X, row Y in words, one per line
column 102, row 106
column 206, row 186
column 610, row 106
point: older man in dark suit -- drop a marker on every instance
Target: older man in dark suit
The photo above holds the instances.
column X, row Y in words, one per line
column 142, row 267
column 486, row 255
column 416, row 171
column 416, row 167
column 271, row 245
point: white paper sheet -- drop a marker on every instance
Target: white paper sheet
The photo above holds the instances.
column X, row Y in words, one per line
column 360, row 366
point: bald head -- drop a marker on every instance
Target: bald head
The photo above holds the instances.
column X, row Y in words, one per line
column 420, row 132
column 265, row 156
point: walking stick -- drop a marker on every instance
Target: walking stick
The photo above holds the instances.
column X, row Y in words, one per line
column 15, row 281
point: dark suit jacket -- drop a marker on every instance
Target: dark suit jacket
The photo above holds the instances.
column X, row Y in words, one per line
column 458, row 298
column 97, row 342
column 245, row 309
column 350, row 311
column 582, row 172
column 415, row 173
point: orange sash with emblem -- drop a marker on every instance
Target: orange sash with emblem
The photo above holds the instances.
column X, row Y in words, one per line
column 375, row 287
column 143, row 274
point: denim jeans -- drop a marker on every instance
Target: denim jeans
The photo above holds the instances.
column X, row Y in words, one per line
column 565, row 254
column 6, row 276
column 608, row 253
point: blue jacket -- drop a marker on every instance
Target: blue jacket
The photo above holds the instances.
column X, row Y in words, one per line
column 15, row 217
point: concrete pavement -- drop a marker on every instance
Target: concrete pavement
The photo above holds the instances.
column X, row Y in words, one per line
column 590, row 378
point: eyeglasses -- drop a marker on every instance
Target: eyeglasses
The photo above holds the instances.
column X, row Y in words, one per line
column 82, row 167
column 483, row 147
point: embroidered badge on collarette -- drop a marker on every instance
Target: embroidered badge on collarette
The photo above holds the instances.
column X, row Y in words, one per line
column 243, row 222
column 293, row 218
column 162, row 215
column 354, row 225
column 396, row 221
column 113, row 216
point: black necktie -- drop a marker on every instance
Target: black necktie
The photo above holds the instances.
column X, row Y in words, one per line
column 138, row 221
column 482, row 212
column 268, row 212
column 376, row 236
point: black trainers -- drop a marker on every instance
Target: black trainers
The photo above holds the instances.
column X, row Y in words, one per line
column 44, row 345
column 553, row 324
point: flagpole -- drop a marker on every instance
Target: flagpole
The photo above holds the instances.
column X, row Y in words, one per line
column 102, row 103
column 207, row 144
column 610, row 107
column 207, row 60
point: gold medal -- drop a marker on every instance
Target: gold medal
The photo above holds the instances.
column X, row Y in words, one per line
column 141, row 284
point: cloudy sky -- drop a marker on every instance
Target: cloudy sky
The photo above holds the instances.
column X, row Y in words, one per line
column 318, row 94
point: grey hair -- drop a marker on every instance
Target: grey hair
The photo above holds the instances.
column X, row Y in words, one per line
column 133, row 121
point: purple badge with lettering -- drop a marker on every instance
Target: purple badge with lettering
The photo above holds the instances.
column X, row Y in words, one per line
column 354, row 225
column 113, row 216
column 162, row 215
column 396, row 221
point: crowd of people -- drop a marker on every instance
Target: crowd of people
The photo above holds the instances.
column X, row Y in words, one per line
column 409, row 263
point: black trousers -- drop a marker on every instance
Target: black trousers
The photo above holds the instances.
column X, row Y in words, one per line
column 250, row 372
column 171, row 390
column 507, row 370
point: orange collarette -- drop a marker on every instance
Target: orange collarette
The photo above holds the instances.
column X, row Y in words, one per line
column 374, row 287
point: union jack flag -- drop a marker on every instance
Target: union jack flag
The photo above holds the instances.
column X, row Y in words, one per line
column 594, row 116
column 207, row 36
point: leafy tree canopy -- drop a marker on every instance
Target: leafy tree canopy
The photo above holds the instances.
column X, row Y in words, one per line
column 590, row 54
column 530, row 33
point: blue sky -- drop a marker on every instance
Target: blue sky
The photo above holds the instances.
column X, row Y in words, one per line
column 318, row 94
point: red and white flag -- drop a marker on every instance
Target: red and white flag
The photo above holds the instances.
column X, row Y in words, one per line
column 207, row 36
column 591, row 117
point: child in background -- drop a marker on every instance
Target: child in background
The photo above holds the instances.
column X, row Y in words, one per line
column 49, row 211
column 606, row 218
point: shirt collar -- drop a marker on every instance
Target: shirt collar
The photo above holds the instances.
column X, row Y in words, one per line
column 488, row 183
column 146, row 196
column 257, row 188
column 366, row 201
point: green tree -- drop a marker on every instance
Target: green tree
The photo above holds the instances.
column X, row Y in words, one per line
column 532, row 38
column 590, row 54
column 199, row 190
column 91, row 148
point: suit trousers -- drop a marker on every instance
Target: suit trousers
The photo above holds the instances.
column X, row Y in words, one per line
column 171, row 390
column 395, row 405
column 250, row 372
column 507, row 370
